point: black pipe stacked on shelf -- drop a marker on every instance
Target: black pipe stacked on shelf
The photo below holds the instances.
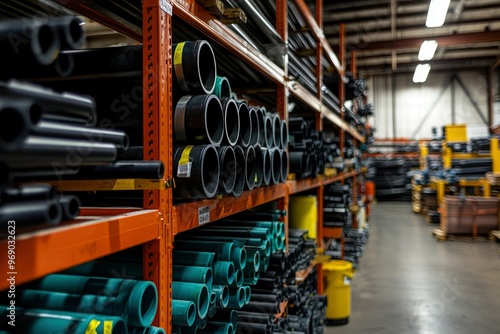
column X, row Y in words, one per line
column 222, row 145
column 390, row 177
column 354, row 244
column 238, row 251
column 337, row 202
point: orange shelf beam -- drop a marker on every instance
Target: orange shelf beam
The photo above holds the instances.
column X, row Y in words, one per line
column 44, row 251
column 332, row 232
column 297, row 186
column 190, row 215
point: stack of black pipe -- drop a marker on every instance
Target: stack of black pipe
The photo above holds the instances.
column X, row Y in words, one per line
column 222, row 145
column 471, row 168
column 337, row 201
column 331, row 152
column 354, row 244
column 480, row 145
column 391, row 180
column 306, row 149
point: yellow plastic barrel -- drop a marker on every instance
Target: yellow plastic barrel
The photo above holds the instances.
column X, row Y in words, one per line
column 338, row 275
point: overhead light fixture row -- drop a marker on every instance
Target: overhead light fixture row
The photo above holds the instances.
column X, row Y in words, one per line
column 437, row 13
column 427, row 50
column 421, row 73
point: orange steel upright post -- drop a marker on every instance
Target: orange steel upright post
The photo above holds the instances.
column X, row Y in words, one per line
column 282, row 91
column 354, row 65
column 157, row 112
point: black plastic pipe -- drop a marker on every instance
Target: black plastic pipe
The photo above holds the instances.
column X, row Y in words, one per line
column 275, row 165
column 70, row 206
column 250, row 167
column 30, row 213
column 28, row 41
column 17, row 117
column 70, row 31
column 57, row 130
column 276, row 130
column 231, row 121
column 194, row 69
column 298, row 163
column 197, row 171
column 261, row 114
column 227, row 160
column 284, row 134
column 63, row 107
column 254, row 125
column 199, row 120
column 268, row 133
column 245, row 125
column 151, row 169
column 28, row 192
column 267, row 166
column 283, row 165
column 239, row 183
column 5, row 176
column 262, row 307
column 39, row 152
column 259, row 165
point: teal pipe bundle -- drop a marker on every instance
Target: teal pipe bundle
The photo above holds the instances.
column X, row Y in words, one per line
column 244, row 241
column 194, row 292
column 224, row 272
column 238, row 278
column 146, row 330
column 221, row 295
column 236, row 298
column 36, row 321
column 138, row 298
column 183, row 312
column 193, row 274
column 193, row 258
column 107, row 268
column 224, row 251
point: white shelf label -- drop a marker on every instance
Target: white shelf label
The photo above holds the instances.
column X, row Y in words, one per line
column 203, row 215
column 166, row 6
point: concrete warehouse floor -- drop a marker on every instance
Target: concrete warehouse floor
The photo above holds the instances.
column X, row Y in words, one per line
column 409, row 283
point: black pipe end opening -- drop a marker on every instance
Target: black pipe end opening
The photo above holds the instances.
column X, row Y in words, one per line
column 255, row 131
column 210, row 171
column 239, row 183
column 250, row 167
column 207, row 68
column 214, row 120
column 231, row 121
column 245, row 125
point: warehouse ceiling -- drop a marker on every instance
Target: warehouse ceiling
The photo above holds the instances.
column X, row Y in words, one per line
column 386, row 34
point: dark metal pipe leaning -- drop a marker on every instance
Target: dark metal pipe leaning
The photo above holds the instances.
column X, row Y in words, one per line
column 240, row 180
column 57, row 130
column 70, row 206
column 199, row 119
column 197, row 171
column 250, row 167
column 254, row 121
column 194, row 68
column 27, row 41
column 227, row 178
column 245, row 125
column 259, row 165
column 28, row 192
column 231, row 121
column 275, row 165
column 39, row 152
column 17, row 117
column 70, row 31
column 30, row 213
column 64, row 107
column 283, row 165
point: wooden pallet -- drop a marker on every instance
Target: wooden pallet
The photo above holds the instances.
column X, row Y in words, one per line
column 495, row 236
column 440, row 235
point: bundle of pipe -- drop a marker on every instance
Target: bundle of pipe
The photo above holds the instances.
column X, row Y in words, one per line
column 332, row 155
column 133, row 302
column 337, row 201
column 32, row 47
column 302, row 248
column 354, row 243
column 307, row 156
column 29, row 205
column 480, row 145
column 471, row 168
column 391, row 180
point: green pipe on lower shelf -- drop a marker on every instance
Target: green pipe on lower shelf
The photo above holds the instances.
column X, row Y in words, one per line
column 238, row 231
column 253, row 259
column 251, row 277
column 131, row 270
column 236, row 298
column 244, row 241
column 183, row 312
column 203, row 275
column 264, row 250
column 193, row 258
column 248, row 293
column 223, row 272
column 222, row 87
column 217, row 328
column 36, row 321
column 239, row 257
column 194, row 292
column 146, row 330
column 221, row 295
column 264, row 264
column 137, row 311
column 238, row 278
column 223, row 250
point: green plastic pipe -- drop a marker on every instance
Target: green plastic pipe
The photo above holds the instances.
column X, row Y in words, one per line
column 195, row 292
column 273, row 226
column 38, row 321
column 140, row 297
column 236, row 298
column 222, row 87
column 131, row 270
column 222, row 250
column 217, row 328
column 238, row 231
column 253, row 259
column 239, row 257
column 223, row 272
column 264, row 250
column 193, row 258
column 183, row 312
column 193, row 274
column 146, row 330
column 264, row 264
column 221, row 294
column 251, row 277
column 245, row 241
column 248, row 294
column 238, row 278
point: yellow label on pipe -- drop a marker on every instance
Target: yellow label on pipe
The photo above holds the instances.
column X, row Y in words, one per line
column 184, row 167
column 185, row 155
column 108, row 327
column 92, row 327
column 178, row 53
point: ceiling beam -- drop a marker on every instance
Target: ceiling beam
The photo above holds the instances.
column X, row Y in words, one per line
column 446, row 40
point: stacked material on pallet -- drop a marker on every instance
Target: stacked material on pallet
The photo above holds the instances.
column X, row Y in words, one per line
column 469, row 215
column 471, row 168
column 354, row 244
column 416, row 198
column 493, row 179
column 390, row 178
column 430, row 205
column 337, row 200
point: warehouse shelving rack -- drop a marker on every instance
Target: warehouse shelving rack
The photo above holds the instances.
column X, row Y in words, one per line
column 103, row 231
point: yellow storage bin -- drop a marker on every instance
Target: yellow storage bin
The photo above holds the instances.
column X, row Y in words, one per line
column 338, row 275
column 304, row 213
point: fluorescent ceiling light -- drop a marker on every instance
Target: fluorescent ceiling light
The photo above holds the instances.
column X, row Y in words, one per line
column 427, row 50
column 437, row 13
column 421, row 73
